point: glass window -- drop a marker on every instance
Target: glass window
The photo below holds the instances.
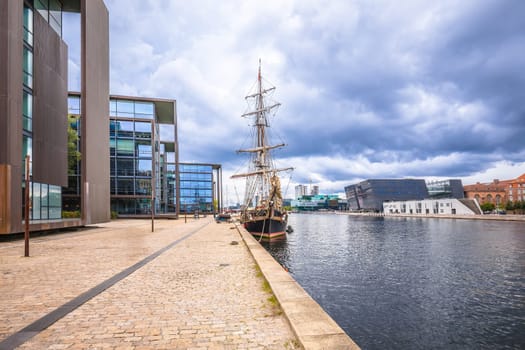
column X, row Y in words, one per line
column 112, row 127
column 112, row 166
column 143, row 150
column 125, row 108
column 143, row 130
column 55, row 15
column 27, row 111
column 125, row 167
column 143, row 187
column 124, row 128
column 112, row 146
column 55, row 196
column 27, row 147
column 28, row 67
column 125, row 148
column 144, row 110
column 28, row 25
column 125, row 186
column 35, row 198
column 113, row 107
column 144, row 167
column 73, row 104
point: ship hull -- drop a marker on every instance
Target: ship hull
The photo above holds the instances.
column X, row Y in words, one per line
column 266, row 229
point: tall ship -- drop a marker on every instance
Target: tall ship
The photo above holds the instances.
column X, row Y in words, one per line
column 262, row 212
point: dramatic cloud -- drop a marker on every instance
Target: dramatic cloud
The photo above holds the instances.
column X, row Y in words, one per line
column 370, row 89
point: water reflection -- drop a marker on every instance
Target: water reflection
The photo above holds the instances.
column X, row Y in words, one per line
column 413, row 283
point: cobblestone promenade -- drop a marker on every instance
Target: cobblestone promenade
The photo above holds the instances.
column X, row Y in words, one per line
column 202, row 293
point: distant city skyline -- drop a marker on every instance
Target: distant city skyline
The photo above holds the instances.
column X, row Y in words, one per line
column 369, row 89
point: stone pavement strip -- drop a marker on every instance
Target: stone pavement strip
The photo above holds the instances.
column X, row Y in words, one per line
column 203, row 293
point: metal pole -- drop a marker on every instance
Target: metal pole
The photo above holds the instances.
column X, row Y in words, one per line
column 26, row 210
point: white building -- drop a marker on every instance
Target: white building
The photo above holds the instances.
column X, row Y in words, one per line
column 301, row 190
column 449, row 206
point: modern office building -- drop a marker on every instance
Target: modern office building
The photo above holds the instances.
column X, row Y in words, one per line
column 369, row 195
column 33, row 111
column 143, row 155
column 200, row 187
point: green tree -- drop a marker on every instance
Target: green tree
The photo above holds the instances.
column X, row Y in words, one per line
column 73, row 155
column 487, row 207
column 509, row 205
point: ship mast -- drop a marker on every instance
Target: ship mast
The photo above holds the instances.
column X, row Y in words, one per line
column 259, row 176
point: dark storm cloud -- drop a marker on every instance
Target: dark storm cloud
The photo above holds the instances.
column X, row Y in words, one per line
column 369, row 88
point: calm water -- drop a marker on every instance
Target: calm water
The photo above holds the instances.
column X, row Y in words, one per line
column 406, row 283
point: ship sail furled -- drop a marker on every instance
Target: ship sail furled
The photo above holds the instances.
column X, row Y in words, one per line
column 262, row 212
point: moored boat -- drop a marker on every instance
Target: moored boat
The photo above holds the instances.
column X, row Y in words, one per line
column 262, row 212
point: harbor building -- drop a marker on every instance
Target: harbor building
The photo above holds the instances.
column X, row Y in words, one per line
column 494, row 192
column 369, row 195
column 516, row 189
column 318, row 202
column 200, row 188
column 143, row 156
column 442, row 206
column 33, row 112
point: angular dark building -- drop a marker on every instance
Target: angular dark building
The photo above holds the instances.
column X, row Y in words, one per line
column 33, row 111
column 369, row 195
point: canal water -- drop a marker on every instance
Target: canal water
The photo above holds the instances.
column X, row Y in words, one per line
column 413, row 283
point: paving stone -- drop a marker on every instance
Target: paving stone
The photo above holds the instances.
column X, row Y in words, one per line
column 203, row 293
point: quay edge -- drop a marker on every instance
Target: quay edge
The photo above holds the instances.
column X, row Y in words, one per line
column 313, row 327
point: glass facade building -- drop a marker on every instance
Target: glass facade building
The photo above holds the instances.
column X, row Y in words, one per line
column 199, row 189
column 451, row 188
column 369, row 195
column 45, row 198
column 142, row 156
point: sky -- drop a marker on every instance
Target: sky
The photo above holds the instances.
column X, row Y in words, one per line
column 369, row 89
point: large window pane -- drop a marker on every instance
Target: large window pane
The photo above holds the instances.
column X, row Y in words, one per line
column 55, row 196
column 124, row 128
column 125, row 167
column 143, row 187
column 125, row 186
column 28, row 67
column 144, row 110
column 124, row 108
column 144, row 167
column 73, row 104
column 143, row 149
column 125, row 147
column 27, row 111
column 28, row 25
column 143, row 130
column 112, row 107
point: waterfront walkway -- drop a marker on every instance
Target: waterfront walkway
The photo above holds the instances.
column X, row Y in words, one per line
column 191, row 285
